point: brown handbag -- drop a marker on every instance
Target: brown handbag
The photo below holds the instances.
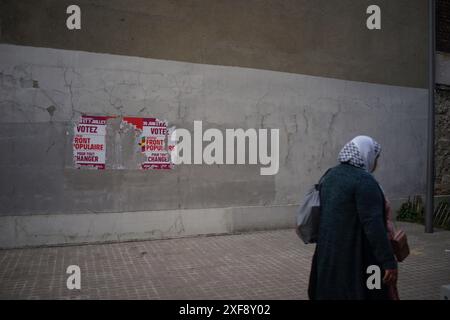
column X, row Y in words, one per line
column 400, row 245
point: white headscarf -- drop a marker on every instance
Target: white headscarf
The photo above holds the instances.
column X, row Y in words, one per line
column 360, row 152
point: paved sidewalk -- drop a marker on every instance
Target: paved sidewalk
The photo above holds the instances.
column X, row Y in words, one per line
column 259, row 265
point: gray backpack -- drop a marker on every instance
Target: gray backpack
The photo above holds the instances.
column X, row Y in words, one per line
column 308, row 214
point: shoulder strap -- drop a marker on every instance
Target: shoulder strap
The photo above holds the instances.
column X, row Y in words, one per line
column 326, row 172
column 320, row 180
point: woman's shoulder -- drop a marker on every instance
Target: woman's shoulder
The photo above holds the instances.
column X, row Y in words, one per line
column 348, row 171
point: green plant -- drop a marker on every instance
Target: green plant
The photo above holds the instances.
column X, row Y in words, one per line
column 441, row 217
column 413, row 211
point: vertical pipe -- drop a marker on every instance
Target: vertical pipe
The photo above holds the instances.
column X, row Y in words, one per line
column 429, row 204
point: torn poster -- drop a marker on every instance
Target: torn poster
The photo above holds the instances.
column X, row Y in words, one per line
column 89, row 146
column 153, row 142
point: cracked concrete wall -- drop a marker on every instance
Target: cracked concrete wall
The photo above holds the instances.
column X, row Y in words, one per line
column 317, row 74
column 43, row 91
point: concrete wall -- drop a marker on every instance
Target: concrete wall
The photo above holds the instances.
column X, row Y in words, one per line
column 326, row 38
column 303, row 58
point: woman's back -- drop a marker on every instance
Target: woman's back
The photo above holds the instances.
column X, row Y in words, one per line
column 352, row 234
column 338, row 205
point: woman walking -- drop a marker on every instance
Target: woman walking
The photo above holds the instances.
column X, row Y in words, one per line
column 353, row 231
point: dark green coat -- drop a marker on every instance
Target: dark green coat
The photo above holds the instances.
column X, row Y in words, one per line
column 352, row 236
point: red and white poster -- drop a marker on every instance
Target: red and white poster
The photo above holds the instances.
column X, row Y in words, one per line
column 152, row 142
column 89, row 146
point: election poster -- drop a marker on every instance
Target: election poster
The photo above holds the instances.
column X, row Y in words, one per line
column 153, row 142
column 89, row 146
